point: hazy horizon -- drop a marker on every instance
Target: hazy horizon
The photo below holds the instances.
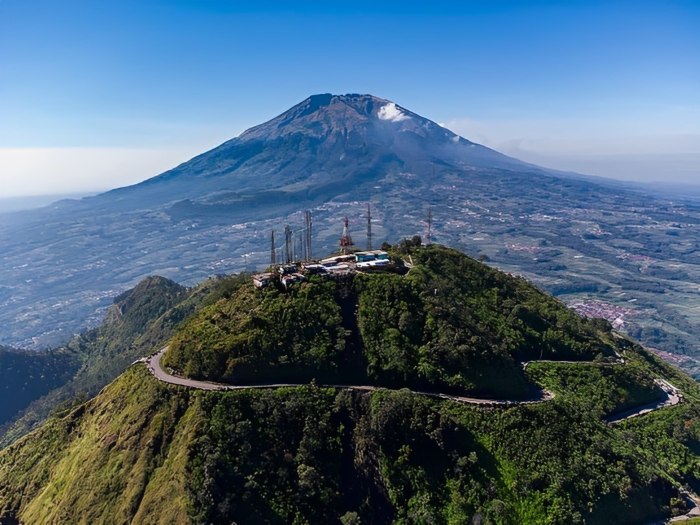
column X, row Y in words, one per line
column 98, row 97
column 150, row 163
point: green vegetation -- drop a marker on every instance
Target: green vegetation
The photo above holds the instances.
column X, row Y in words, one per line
column 145, row 452
column 672, row 438
column 101, row 462
column 500, row 313
column 128, row 332
column 607, row 388
column 271, row 334
column 140, row 322
column 452, row 325
column 159, row 454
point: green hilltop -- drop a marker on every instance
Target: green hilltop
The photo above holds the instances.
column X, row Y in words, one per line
column 451, row 324
column 144, row 451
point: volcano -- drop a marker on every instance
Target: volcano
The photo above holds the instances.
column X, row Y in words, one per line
column 63, row 265
column 323, row 146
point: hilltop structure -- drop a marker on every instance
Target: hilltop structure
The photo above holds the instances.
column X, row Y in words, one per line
column 334, row 267
column 345, row 239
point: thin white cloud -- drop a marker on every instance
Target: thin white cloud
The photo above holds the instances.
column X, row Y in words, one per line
column 392, row 113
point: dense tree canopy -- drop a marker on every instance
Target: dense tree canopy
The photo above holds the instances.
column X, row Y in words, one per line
column 451, row 324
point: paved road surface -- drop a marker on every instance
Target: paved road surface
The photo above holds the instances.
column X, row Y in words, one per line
column 693, row 513
column 672, row 395
column 153, row 365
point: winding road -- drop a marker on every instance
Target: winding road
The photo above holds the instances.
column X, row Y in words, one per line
column 153, row 364
column 672, row 395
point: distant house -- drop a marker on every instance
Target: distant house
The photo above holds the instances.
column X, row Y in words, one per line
column 262, row 280
column 373, row 264
column 287, row 269
column 332, row 261
column 314, row 269
column 290, row 279
column 371, row 255
column 337, row 267
column 339, row 270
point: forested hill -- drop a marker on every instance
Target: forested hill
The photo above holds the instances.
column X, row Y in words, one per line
column 140, row 320
column 450, row 324
column 40, row 382
column 144, row 451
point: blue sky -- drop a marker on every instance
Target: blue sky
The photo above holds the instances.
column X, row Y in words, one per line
column 97, row 94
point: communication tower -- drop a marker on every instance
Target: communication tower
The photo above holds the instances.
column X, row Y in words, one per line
column 369, row 228
column 273, row 254
column 307, row 227
column 345, row 239
column 288, row 244
column 300, row 255
column 430, row 224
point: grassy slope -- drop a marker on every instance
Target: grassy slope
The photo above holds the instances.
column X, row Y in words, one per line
column 124, row 436
column 105, row 351
column 141, row 321
column 160, row 454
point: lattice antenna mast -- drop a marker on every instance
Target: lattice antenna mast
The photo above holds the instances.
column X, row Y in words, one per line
column 430, row 224
column 307, row 227
column 345, row 239
column 300, row 245
column 369, row 227
column 273, row 251
column 288, row 245
column 430, row 214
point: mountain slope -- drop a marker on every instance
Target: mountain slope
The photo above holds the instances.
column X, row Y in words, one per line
column 171, row 224
column 579, row 238
column 325, row 142
column 133, row 326
column 147, row 452
column 161, row 455
column 140, row 322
